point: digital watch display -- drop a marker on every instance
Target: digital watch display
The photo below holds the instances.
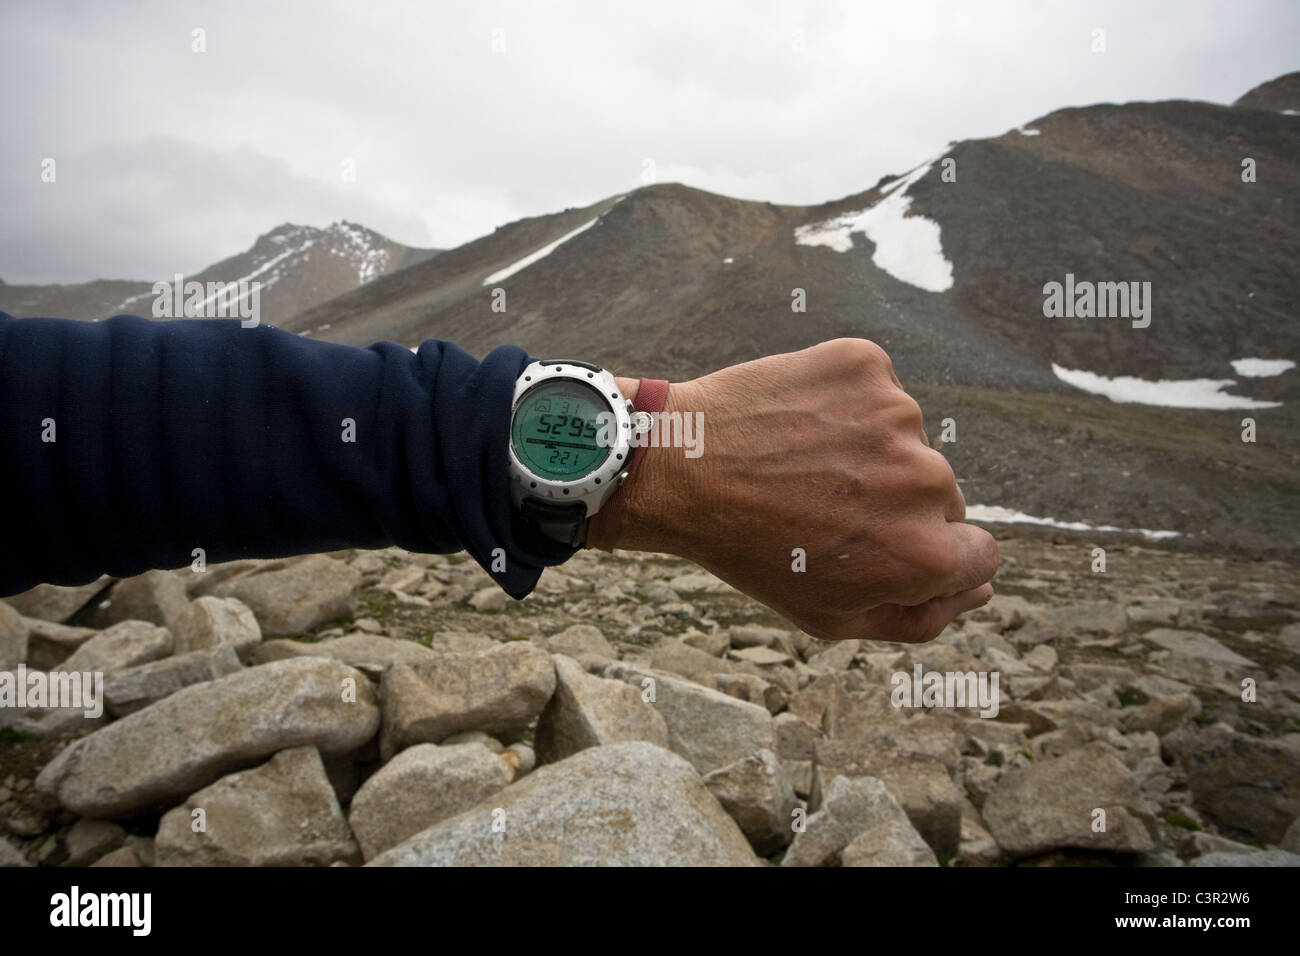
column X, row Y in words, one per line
column 557, row 426
column 570, row 446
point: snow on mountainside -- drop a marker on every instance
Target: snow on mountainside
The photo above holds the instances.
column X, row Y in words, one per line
column 297, row 267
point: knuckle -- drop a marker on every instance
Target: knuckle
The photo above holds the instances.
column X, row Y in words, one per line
column 861, row 352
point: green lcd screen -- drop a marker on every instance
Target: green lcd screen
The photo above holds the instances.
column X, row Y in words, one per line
column 556, row 427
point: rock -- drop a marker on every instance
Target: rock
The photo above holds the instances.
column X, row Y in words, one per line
column 50, row 602
column 1042, row 658
column 761, row 656
column 1241, row 781
column 156, row 596
column 520, row 758
column 836, row 657
column 155, row 757
column 489, row 599
column 293, row 595
column 500, row 691
column 88, row 840
column 421, row 786
column 50, row 644
column 402, row 579
column 29, row 819
column 283, row 813
column 977, row 848
column 1291, row 839
column 919, row 783
column 1199, row 646
column 749, row 635
column 708, row 728
column 13, row 638
column 474, row 737
column 134, row 688
column 685, row 661
column 628, row 804
column 714, row 643
column 368, row 653
column 1158, row 610
column 1200, row 843
column 701, row 581
column 752, row 688
column 1262, row 858
column 9, row 855
column 1160, row 715
column 123, row 856
column 757, row 791
column 1103, row 617
column 462, row 642
column 211, row 621
column 860, row 813
column 796, row 739
column 587, row 711
column 584, row 643
column 1049, row 805
column 124, row 645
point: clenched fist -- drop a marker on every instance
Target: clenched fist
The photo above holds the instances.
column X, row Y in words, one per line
column 819, row 450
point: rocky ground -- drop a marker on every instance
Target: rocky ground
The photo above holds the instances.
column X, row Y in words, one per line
column 394, row 708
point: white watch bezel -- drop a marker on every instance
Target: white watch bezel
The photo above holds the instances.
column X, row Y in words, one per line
column 594, row 488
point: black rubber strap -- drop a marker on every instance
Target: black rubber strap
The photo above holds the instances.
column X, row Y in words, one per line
column 552, row 528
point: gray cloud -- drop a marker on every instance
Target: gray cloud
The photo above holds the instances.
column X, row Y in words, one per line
column 170, row 159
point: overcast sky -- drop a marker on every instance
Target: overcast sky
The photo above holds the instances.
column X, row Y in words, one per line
column 458, row 117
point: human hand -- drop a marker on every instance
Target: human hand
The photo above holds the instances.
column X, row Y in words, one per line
column 819, row 450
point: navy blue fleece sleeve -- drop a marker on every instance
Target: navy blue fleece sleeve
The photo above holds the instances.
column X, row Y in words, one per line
column 126, row 444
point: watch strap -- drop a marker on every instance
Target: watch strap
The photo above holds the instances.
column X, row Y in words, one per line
column 651, row 396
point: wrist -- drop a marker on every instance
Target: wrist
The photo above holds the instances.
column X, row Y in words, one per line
column 651, row 511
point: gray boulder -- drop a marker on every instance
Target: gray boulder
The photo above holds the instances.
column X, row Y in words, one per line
column 283, row 813
column 50, row 644
column 861, row 824
column 135, row 688
column 500, row 692
column 758, row 792
column 1242, row 781
column 1049, row 805
column 211, row 621
column 421, row 786
column 588, row 711
column 707, row 727
column 919, row 782
column 52, row 602
column 628, row 804
column 124, row 645
column 150, row 759
column 295, row 595
column 156, row 596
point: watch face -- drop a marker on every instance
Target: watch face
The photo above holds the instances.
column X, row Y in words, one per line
column 559, row 432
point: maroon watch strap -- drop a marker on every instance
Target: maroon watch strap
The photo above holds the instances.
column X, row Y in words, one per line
column 651, row 396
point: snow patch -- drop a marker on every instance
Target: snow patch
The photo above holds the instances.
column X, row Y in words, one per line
column 1261, row 368
column 909, row 248
column 994, row 514
column 728, row 260
column 541, row 253
column 1026, row 131
column 1170, row 393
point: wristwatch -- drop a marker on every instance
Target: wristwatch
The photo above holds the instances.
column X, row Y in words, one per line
column 571, row 446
